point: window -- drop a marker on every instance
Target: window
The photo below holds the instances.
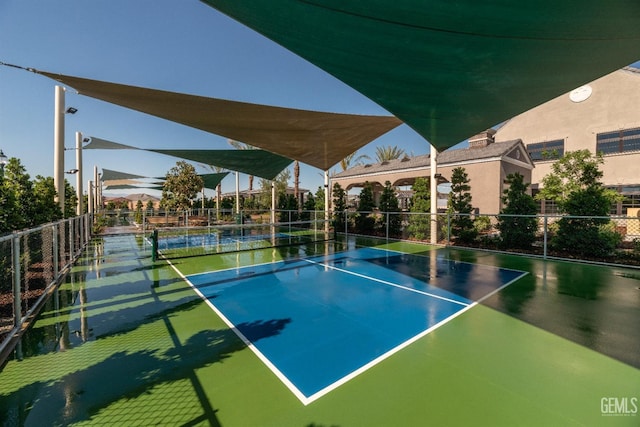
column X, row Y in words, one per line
column 547, row 150
column 619, row 141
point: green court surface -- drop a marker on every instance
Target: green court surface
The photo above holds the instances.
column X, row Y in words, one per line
column 126, row 342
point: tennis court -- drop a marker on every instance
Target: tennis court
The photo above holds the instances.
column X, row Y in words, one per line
column 329, row 333
column 355, row 303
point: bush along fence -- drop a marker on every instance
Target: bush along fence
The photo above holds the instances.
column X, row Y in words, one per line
column 608, row 239
column 32, row 263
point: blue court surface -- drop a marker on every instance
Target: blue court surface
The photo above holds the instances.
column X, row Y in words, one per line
column 319, row 322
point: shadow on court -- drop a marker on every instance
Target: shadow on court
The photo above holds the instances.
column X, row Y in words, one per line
column 82, row 394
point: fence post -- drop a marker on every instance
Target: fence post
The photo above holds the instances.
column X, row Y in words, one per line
column 17, row 301
column 346, row 223
column 72, row 248
column 544, row 244
column 154, row 245
column 448, row 228
column 387, row 226
column 56, row 251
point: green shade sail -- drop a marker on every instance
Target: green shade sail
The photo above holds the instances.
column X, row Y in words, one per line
column 259, row 163
column 318, row 139
column 110, row 175
column 451, row 69
column 252, row 162
column 211, row 180
column 128, row 186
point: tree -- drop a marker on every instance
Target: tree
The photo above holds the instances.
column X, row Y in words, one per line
column 517, row 231
column 364, row 221
column 574, row 184
column 288, row 206
column 389, row 204
column 70, row 200
column 296, row 182
column 352, row 160
column 309, row 205
column 17, row 181
column 7, row 209
column 576, row 170
column 320, row 199
column 339, row 206
column 181, row 186
column 460, row 205
column 138, row 214
column 419, row 224
column 388, row 152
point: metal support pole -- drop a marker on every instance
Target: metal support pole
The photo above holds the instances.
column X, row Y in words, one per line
column 96, row 185
column 237, row 193
column 90, row 197
column 79, row 192
column 17, row 300
column 154, row 245
column 58, row 144
column 273, row 202
column 545, row 237
column 433, row 170
column 326, row 201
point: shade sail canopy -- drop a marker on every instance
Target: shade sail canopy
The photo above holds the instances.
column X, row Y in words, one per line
column 108, row 175
column 316, row 138
column 103, row 144
column 252, row 162
column 261, row 163
column 128, row 186
column 450, row 69
column 211, row 180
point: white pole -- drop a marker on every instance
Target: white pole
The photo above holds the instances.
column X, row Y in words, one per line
column 434, row 195
column 237, row 193
column 96, row 186
column 58, row 143
column 326, row 201
column 273, row 202
column 79, row 173
column 90, row 196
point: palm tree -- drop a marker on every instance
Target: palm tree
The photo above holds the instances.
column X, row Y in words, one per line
column 388, row 152
column 352, row 160
column 242, row 146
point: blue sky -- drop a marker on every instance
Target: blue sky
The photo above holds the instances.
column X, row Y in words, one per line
column 181, row 46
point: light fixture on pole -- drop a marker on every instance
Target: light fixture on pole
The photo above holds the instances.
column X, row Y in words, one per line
column 3, row 161
column 71, row 110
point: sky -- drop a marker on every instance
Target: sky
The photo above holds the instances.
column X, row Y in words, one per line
column 185, row 47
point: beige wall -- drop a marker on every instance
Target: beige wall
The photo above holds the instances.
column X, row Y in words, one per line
column 486, row 181
column 613, row 104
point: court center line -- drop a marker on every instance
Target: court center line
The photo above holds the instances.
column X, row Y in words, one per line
column 384, row 282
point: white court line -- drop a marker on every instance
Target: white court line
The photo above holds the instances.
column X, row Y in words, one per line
column 283, row 378
column 305, row 400
column 384, row 282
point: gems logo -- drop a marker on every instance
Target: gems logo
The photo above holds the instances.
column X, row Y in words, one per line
column 619, row 406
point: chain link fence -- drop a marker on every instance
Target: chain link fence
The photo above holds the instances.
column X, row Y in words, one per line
column 610, row 239
column 32, row 262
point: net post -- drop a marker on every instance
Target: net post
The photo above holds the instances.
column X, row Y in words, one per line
column 154, row 245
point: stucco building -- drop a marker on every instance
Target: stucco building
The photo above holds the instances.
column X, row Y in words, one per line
column 486, row 163
column 602, row 116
